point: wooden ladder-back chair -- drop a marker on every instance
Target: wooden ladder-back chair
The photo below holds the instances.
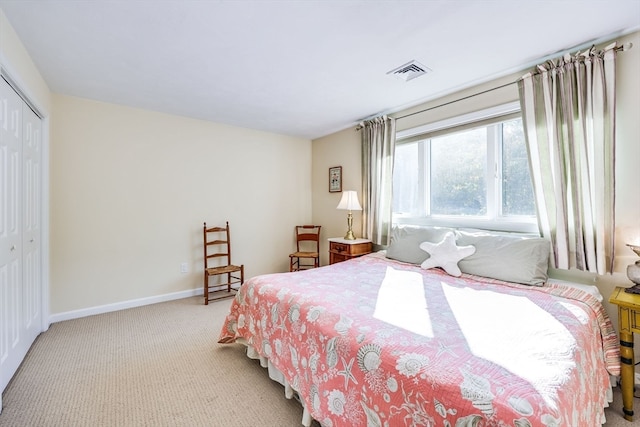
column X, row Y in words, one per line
column 307, row 247
column 217, row 262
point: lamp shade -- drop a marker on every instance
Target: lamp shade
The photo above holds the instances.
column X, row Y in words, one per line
column 349, row 201
column 634, row 248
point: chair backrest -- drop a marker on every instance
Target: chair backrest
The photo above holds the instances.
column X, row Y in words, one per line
column 217, row 245
column 308, row 238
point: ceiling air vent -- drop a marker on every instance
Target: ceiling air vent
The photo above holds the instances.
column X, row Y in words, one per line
column 409, row 71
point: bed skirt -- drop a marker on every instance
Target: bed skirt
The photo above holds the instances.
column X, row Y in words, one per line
column 277, row 376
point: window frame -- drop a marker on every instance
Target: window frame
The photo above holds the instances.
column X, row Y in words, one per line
column 494, row 219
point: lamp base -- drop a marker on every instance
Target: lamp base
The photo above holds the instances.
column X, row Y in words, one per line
column 635, row 289
column 350, row 235
column 633, row 272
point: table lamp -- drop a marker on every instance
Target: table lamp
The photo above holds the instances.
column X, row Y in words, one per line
column 349, row 202
column 633, row 271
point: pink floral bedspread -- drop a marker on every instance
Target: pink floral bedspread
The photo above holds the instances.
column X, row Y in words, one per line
column 375, row 342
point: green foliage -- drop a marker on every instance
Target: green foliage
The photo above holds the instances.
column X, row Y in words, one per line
column 457, row 184
column 517, row 189
column 458, row 164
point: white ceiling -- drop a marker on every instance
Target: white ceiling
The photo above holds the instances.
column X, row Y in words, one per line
column 303, row 68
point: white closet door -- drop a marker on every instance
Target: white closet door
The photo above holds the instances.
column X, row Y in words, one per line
column 31, row 219
column 20, row 250
column 10, row 231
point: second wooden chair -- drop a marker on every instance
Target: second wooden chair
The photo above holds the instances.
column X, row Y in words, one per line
column 307, row 248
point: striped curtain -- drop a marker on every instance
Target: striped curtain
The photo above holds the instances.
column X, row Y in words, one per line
column 378, row 146
column 568, row 112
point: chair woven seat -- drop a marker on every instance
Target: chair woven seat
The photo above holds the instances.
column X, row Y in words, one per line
column 222, row 270
column 305, row 254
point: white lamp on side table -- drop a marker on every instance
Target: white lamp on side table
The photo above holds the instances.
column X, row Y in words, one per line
column 349, row 202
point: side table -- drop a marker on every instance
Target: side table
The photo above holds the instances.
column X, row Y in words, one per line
column 628, row 323
column 341, row 249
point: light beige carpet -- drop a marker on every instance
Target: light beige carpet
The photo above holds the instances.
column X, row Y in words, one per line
column 158, row 365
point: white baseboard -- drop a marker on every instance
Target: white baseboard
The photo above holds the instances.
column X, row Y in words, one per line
column 76, row 314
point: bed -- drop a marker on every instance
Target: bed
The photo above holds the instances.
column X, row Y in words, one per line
column 376, row 341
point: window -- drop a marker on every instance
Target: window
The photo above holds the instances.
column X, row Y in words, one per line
column 471, row 172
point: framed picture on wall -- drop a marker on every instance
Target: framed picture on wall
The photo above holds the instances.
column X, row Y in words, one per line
column 335, row 179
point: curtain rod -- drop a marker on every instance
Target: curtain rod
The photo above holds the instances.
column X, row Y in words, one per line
column 456, row 100
column 622, row 48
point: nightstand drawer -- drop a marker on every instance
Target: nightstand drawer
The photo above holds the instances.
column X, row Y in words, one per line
column 635, row 321
column 628, row 310
column 342, row 250
column 339, row 247
column 629, row 320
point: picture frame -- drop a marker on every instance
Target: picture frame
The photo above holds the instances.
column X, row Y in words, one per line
column 335, row 179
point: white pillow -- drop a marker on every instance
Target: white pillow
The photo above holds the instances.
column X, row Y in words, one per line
column 509, row 258
column 446, row 254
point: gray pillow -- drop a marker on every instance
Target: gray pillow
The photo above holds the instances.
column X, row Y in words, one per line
column 405, row 242
column 510, row 258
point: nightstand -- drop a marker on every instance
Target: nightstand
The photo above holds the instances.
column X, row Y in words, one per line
column 628, row 323
column 341, row 249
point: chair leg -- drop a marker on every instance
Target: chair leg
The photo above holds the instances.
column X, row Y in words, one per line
column 206, row 289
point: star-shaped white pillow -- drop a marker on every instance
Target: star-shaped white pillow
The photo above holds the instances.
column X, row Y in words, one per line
column 446, row 254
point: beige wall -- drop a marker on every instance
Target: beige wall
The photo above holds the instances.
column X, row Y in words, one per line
column 343, row 148
column 131, row 189
column 338, row 149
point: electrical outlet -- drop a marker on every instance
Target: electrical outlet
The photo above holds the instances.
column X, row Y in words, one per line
column 183, row 267
column 637, row 381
